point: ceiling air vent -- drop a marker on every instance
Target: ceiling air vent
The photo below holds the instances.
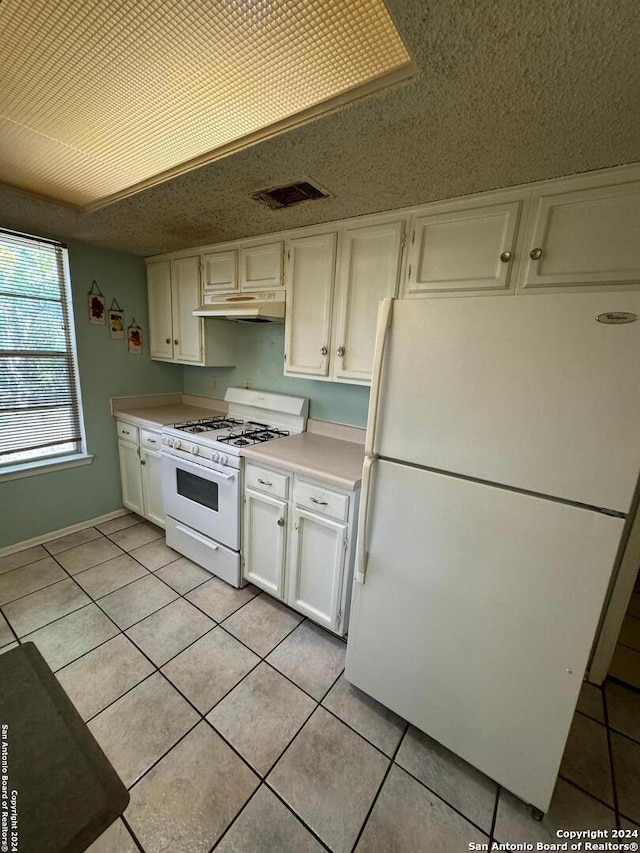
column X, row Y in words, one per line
column 291, row 194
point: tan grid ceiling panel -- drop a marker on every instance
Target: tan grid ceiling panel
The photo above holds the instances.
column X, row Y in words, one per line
column 99, row 96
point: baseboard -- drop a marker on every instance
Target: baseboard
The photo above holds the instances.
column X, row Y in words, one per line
column 63, row 531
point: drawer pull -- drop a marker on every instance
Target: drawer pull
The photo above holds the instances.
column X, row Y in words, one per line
column 152, row 441
column 126, row 432
column 320, row 503
column 264, row 482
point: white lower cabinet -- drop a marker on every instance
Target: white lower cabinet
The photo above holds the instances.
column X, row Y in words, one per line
column 140, row 474
column 301, row 549
column 153, row 507
column 131, row 476
column 265, row 541
column 318, row 550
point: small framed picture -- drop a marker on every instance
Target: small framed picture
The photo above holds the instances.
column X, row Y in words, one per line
column 116, row 322
column 97, row 306
column 134, row 338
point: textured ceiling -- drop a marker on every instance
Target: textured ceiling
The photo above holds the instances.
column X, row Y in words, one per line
column 508, row 92
column 107, row 96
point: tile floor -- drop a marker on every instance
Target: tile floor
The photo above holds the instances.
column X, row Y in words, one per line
column 228, row 717
column 625, row 665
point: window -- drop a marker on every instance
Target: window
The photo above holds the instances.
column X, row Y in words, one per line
column 40, row 405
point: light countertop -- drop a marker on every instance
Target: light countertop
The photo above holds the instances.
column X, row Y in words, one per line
column 157, row 416
column 332, row 460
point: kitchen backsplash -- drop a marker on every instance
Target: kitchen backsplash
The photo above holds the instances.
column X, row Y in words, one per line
column 260, row 349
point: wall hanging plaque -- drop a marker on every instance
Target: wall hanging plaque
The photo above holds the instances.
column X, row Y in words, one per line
column 134, row 338
column 97, row 306
column 116, row 322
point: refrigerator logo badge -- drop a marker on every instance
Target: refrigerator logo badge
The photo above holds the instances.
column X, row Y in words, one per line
column 617, row 318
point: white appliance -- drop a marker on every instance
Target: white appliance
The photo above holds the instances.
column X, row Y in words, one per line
column 502, row 458
column 263, row 307
column 202, row 473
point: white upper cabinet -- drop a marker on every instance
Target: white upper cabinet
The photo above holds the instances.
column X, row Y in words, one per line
column 261, row 265
column 588, row 236
column 220, row 271
column 369, row 270
column 310, row 278
column 462, row 247
column 173, row 288
column 332, row 309
column 160, row 320
column 185, row 295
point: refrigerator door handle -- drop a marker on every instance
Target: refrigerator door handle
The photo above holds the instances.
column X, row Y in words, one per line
column 361, row 546
column 384, row 321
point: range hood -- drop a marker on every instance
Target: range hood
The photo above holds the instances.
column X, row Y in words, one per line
column 263, row 307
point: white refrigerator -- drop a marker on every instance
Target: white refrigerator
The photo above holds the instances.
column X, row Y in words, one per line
column 502, row 459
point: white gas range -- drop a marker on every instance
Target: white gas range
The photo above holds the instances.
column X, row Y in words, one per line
column 202, row 475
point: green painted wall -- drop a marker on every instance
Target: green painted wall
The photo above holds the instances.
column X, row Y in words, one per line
column 36, row 505
column 260, row 350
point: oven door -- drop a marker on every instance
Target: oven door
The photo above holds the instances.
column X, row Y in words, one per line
column 205, row 499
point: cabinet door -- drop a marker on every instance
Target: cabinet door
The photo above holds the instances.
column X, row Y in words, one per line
column 265, row 525
column 130, row 476
column 185, row 297
column 160, row 323
column 468, row 248
column 220, row 272
column 152, row 487
column 369, row 270
column 310, row 275
column 316, row 570
column 584, row 237
column 261, row 266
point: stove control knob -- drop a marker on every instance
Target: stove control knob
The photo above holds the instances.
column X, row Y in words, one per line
column 223, row 459
column 215, row 456
column 169, row 442
column 176, row 444
column 195, row 450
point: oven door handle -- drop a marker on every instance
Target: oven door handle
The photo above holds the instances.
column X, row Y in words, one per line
column 201, row 539
column 202, row 469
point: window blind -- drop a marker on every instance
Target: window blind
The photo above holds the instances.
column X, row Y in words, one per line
column 40, row 413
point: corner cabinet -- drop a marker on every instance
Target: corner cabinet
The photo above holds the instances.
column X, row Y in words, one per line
column 175, row 335
column 140, row 473
column 299, row 543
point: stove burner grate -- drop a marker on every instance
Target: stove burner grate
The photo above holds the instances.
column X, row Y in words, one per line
column 252, row 436
column 206, row 424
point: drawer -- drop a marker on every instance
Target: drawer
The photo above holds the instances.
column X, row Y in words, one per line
column 150, row 439
column 128, row 432
column 266, row 481
column 321, row 500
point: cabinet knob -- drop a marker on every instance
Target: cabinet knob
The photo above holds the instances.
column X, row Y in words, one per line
column 505, row 257
column 324, row 351
column 167, row 340
column 281, row 522
column 142, row 462
column 176, row 342
column 340, row 351
column 535, row 254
